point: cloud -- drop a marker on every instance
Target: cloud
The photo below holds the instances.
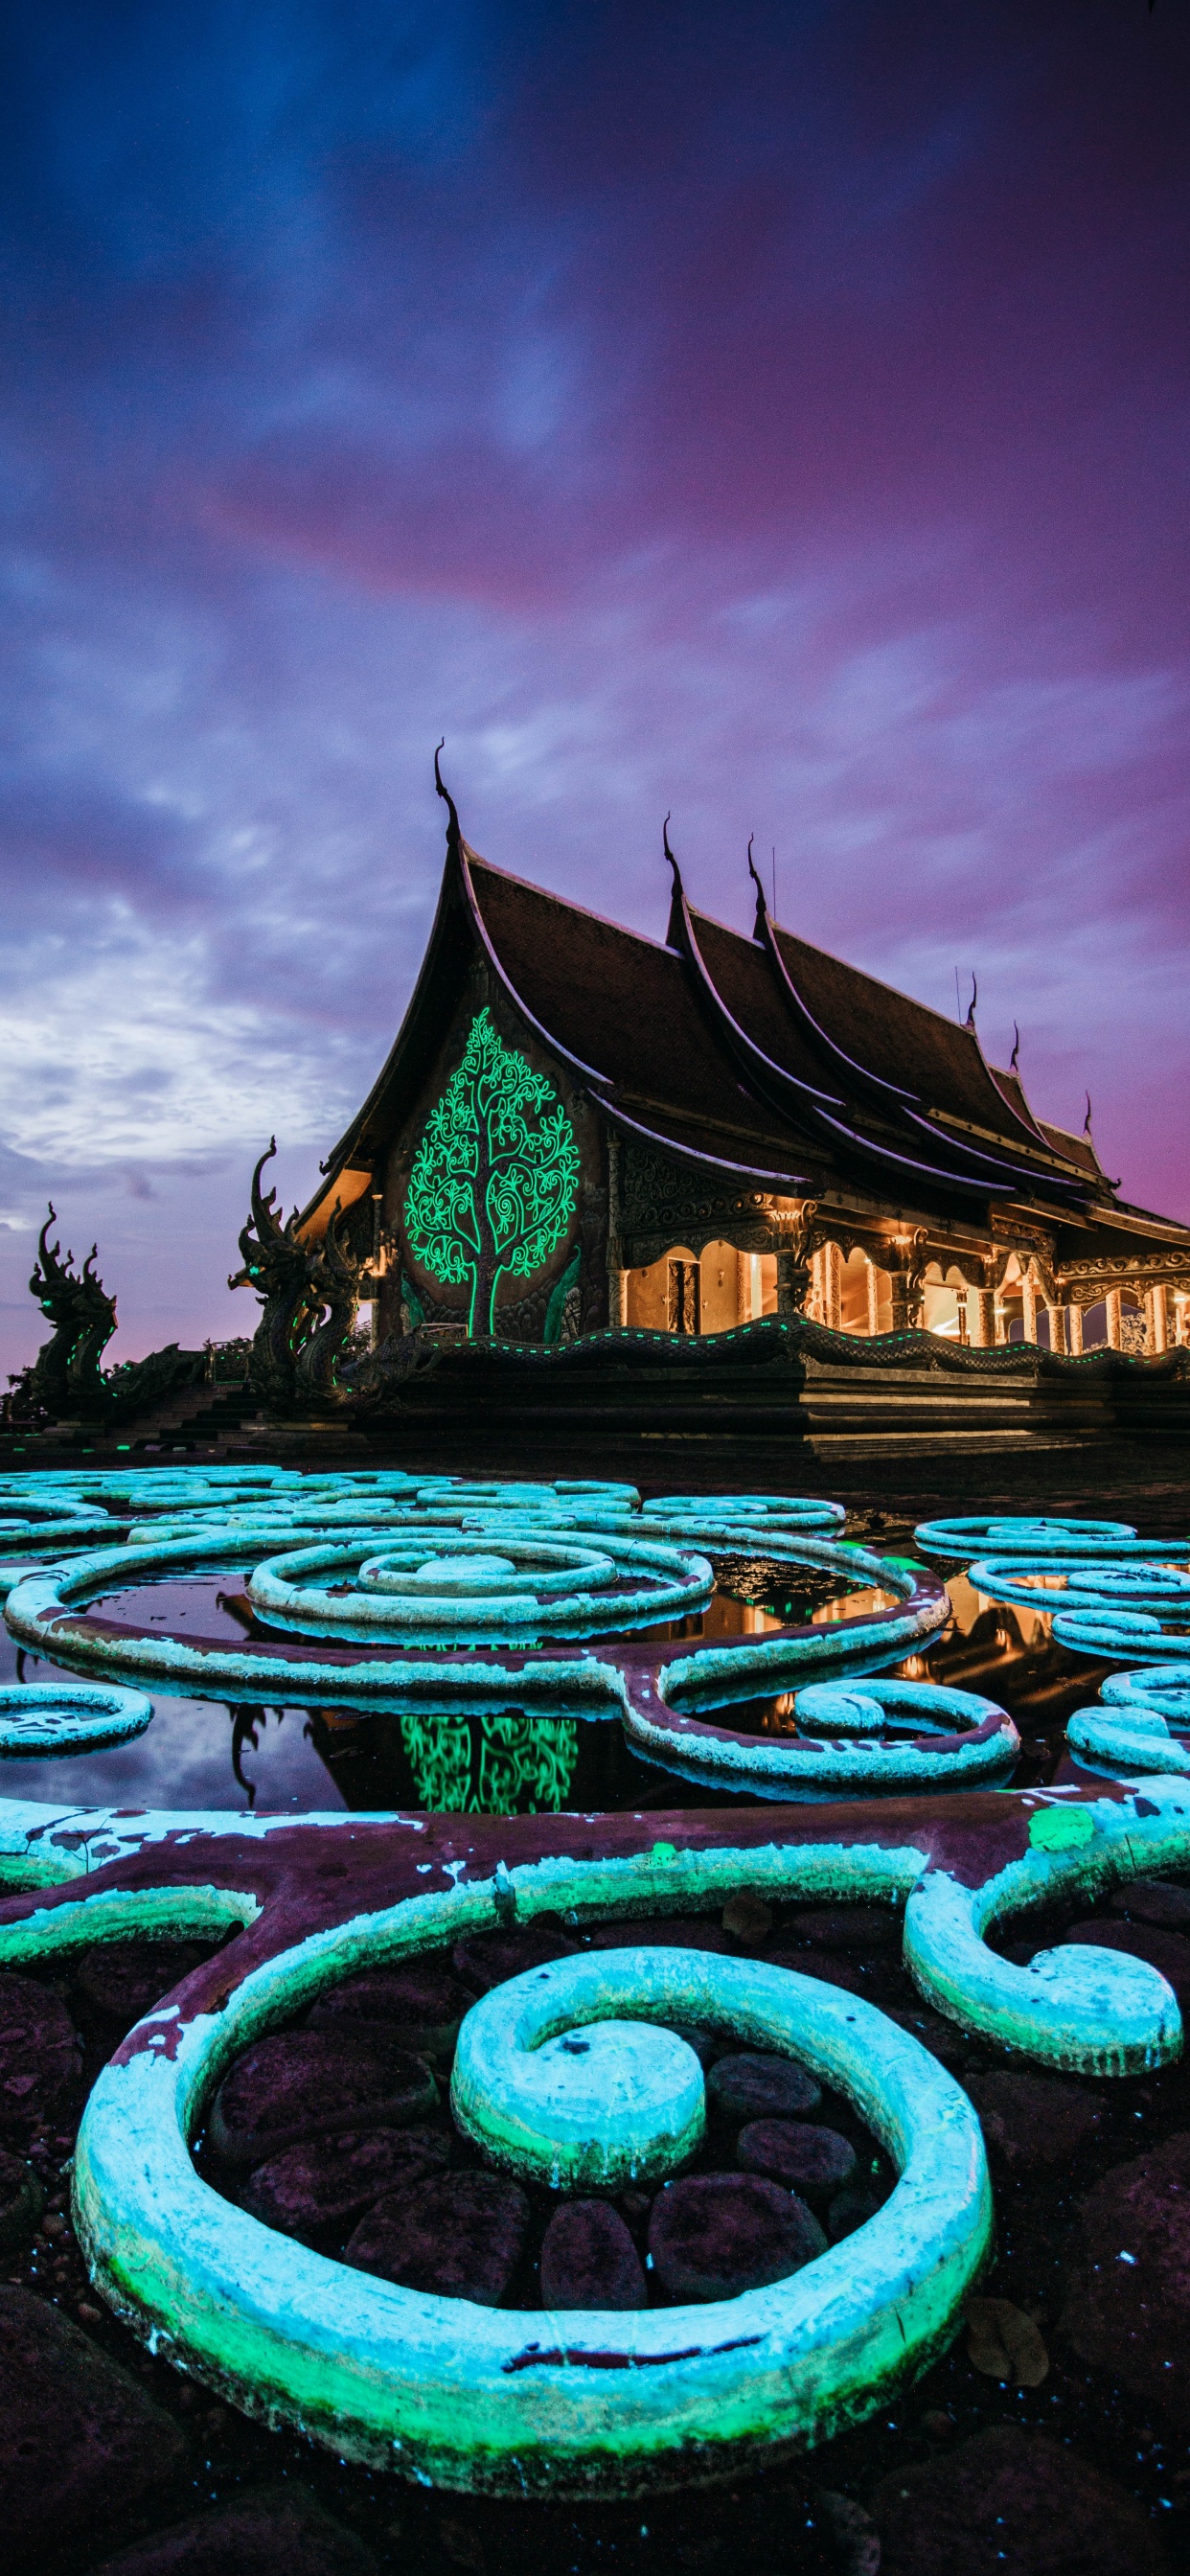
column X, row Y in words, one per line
column 779, row 417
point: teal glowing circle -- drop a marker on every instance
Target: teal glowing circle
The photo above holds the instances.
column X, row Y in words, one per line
column 68, row 1717
column 488, row 2399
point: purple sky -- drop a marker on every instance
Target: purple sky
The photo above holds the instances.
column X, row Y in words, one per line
column 776, row 413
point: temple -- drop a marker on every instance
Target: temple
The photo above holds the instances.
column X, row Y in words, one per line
column 579, row 1128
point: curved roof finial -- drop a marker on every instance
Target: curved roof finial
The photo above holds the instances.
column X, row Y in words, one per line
column 1087, row 1119
column 970, row 1019
column 452, row 829
column 762, row 909
column 669, row 853
column 1014, row 1059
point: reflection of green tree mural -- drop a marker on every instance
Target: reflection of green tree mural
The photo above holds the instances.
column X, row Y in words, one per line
column 491, row 1765
column 495, row 1177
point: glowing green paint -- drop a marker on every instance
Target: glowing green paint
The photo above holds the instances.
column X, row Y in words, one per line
column 495, row 1177
column 491, row 1763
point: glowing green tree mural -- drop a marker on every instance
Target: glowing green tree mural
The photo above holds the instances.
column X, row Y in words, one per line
column 495, row 1176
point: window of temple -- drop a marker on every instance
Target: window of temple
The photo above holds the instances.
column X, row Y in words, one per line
column 943, row 1303
column 707, row 1292
column 1095, row 1326
column 757, row 1285
column 853, row 1293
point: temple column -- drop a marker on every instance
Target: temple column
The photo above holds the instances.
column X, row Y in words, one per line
column 793, row 1279
column 1074, row 1329
column 875, row 1277
column 620, row 1296
column 1113, row 1310
column 1057, row 1316
column 1029, row 1304
column 981, row 1312
column 1156, row 1321
column 899, row 1292
column 830, row 1286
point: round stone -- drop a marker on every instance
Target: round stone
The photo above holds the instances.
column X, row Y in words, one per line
column 1033, row 2122
column 1011, row 2500
column 325, row 2183
column 305, row 2083
column 750, row 2086
column 83, row 2443
column 846, row 1927
column 588, row 2259
column 1128, row 2312
column 458, row 2237
column 816, row 2162
column 713, row 2236
column 850, row 2209
column 254, row 2535
column 21, row 2201
column 124, row 1979
column 490, row 1958
column 420, row 2004
column 40, row 2058
column 1154, row 1900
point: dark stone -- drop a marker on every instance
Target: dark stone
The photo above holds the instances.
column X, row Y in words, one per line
column 255, row 2536
column 752, row 2086
column 21, row 2201
column 1034, row 2121
column 1168, row 1951
column 81, row 2443
column 663, row 1932
column 124, row 1979
column 320, row 2185
column 816, row 2162
column 488, row 1958
column 712, row 2236
column 588, row 2259
column 1132, row 2319
column 306, row 2083
column 706, row 2044
column 1011, row 2503
column 1154, row 1900
column 846, row 1927
column 852, row 2208
column 945, row 2041
column 826, row 1965
column 460, row 2236
column 40, row 2057
column 420, row 2004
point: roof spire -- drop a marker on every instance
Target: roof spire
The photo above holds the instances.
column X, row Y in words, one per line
column 761, row 903
column 1087, row 1120
column 668, row 852
column 452, row 829
column 1014, row 1059
column 969, row 1022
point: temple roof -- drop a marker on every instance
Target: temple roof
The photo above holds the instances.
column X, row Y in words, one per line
column 764, row 1057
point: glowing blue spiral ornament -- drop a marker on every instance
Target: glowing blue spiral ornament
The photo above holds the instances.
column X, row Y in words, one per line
column 1134, row 1738
column 47, row 1527
column 1086, row 1589
column 1119, row 1636
column 447, row 1588
column 459, row 2395
column 68, row 1717
column 560, row 2089
column 1162, row 1686
column 1019, row 1534
column 854, row 1738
